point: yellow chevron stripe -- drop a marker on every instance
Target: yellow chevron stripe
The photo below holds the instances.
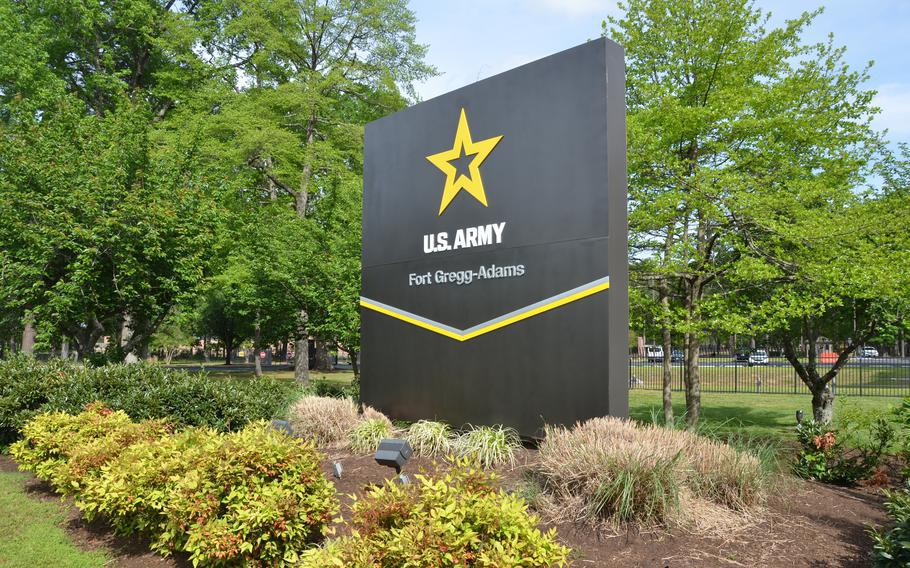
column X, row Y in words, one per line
column 493, row 326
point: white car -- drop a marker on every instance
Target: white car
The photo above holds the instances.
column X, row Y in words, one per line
column 654, row 353
column 758, row 357
column 869, row 352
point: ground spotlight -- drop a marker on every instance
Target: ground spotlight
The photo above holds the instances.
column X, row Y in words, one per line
column 394, row 453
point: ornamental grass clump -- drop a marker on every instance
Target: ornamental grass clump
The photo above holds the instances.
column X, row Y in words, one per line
column 607, row 470
column 365, row 436
column 490, row 446
column 430, row 439
column 324, row 420
column 457, row 519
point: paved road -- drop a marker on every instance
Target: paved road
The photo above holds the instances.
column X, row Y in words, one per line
column 868, row 362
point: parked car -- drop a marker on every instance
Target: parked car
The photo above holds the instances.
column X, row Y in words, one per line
column 758, row 357
column 869, row 352
column 742, row 357
column 676, row 356
column 654, row 353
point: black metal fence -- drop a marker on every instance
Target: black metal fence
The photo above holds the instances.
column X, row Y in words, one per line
column 862, row 376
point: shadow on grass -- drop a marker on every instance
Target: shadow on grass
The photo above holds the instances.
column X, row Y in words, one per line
column 129, row 550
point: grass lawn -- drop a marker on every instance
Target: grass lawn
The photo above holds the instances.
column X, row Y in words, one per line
column 31, row 532
column 758, row 415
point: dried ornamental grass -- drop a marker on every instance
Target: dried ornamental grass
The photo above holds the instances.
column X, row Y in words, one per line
column 607, row 469
column 329, row 421
column 324, row 420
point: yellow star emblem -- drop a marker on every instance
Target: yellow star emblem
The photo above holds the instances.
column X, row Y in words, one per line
column 463, row 146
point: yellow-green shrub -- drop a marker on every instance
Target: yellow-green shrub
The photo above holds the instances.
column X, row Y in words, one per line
column 459, row 519
column 67, row 450
column 255, row 496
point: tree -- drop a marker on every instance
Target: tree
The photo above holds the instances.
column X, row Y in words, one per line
column 101, row 227
column 824, row 256
column 107, row 224
column 718, row 106
column 223, row 313
column 317, row 72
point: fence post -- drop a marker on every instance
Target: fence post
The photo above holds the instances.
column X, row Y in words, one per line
column 735, row 375
column 861, row 378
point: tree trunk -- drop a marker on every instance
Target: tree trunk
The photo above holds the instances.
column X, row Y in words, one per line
column 228, row 348
column 256, row 341
column 205, row 349
column 667, row 375
column 693, row 381
column 126, row 338
column 28, row 336
column 302, row 354
column 65, row 348
column 823, row 404
column 321, row 361
column 301, row 342
column 355, row 365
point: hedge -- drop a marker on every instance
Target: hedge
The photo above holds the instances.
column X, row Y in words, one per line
column 142, row 390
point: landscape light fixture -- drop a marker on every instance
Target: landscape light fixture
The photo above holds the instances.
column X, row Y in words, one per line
column 336, row 468
column 799, row 417
column 394, row 453
column 282, row 426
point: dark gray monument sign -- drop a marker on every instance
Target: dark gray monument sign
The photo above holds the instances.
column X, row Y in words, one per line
column 495, row 273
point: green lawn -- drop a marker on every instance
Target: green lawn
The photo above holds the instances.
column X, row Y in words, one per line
column 758, row 415
column 31, row 531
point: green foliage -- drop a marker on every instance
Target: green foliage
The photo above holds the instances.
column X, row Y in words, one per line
column 825, row 458
column 366, row 435
column 748, row 149
column 255, row 496
column 459, row 519
column 430, row 439
column 334, row 390
column 489, row 445
column 142, row 390
column 892, row 545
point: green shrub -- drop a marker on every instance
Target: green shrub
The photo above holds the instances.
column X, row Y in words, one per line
column 255, row 496
column 25, row 388
column 824, row 457
column 366, row 435
column 489, row 445
column 430, row 439
column 892, row 546
column 459, row 519
column 333, row 389
column 142, row 390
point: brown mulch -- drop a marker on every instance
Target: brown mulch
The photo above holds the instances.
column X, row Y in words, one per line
column 806, row 525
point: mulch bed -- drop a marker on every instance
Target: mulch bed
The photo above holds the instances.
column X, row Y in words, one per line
column 808, row 525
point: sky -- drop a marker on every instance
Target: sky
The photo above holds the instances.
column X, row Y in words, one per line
column 474, row 39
